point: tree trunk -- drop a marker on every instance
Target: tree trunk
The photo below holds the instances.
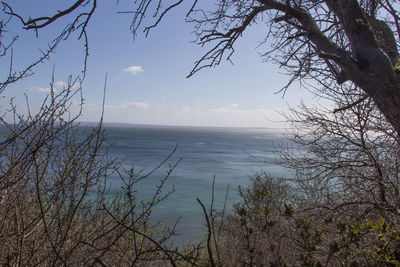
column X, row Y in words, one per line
column 374, row 73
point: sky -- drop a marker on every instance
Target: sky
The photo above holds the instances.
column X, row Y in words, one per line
column 146, row 77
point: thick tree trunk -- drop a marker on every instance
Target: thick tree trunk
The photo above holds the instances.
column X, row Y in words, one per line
column 386, row 97
column 374, row 72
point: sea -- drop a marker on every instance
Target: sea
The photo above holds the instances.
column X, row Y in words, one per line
column 207, row 160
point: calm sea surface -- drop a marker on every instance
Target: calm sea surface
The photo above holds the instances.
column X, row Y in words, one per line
column 229, row 154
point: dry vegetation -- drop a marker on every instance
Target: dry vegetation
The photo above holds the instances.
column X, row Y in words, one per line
column 340, row 208
column 53, row 208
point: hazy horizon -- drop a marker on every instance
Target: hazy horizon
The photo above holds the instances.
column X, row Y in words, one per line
column 146, row 81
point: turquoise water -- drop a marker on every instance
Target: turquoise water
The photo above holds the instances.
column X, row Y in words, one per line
column 230, row 155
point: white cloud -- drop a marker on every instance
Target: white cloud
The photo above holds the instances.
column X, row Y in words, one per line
column 137, row 105
column 130, row 105
column 57, row 86
column 195, row 115
column 40, row 89
column 60, row 84
column 231, row 115
column 133, row 70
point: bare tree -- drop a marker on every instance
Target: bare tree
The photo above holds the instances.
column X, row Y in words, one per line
column 351, row 157
column 327, row 42
column 54, row 206
column 78, row 17
column 340, row 207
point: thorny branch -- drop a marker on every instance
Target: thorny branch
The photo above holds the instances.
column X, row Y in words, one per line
column 79, row 22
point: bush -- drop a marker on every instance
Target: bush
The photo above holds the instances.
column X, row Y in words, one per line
column 53, row 207
column 267, row 228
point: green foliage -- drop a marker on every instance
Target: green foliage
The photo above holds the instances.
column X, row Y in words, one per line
column 282, row 234
column 289, row 210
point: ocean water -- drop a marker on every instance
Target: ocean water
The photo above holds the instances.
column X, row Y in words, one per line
column 231, row 155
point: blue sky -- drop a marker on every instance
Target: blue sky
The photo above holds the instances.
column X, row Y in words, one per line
column 146, row 77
